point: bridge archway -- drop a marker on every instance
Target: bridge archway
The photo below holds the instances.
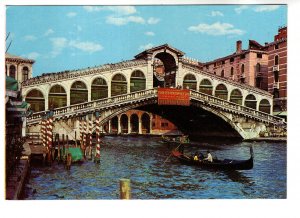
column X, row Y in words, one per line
column 57, row 97
column 165, row 75
column 206, row 87
column 124, row 123
column 137, row 81
column 221, row 91
column 145, row 123
column 250, row 101
column 118, row 85
column 99, row 89
column 114, row 125
column 236, row 96
column 36, row 100
column 189, row 81
column 134, row 123
column 265, row 106
column 78, row 93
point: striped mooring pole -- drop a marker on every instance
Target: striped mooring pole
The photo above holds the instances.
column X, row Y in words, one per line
column 90, row 137
column 49, row 131
column 84, row 135
column 97, row 153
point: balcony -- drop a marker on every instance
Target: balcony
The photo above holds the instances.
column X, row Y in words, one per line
column 275, row 68
column 276, row 85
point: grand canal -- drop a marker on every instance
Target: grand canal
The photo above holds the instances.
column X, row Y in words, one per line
column 141, row 159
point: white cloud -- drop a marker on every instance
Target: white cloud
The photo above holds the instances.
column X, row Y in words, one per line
column 153, row 20
column 265, row 8
column 30, row 38
column 33, row 55
column 71, row 14
column 145, row 47
column 119, row 21
column 240, row 9
column 58, row 44
column 89, row 47
column 216, row 13
column 216, row 29
column 149, row 33
column 49, row 32
column 120, row 10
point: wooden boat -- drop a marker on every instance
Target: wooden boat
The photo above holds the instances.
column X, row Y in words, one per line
column 226, row 164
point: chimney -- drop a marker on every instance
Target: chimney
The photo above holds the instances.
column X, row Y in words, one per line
column 238, row 46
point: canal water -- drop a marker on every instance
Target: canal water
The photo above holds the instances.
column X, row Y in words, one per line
column 144, row 160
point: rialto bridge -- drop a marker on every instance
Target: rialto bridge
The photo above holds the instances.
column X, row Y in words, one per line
column 113, row 89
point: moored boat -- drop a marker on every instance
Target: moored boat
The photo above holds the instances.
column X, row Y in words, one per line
column 226, row 164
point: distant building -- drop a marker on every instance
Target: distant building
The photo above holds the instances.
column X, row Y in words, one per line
column 18, row 68
column 277, row 71
column 248, row 66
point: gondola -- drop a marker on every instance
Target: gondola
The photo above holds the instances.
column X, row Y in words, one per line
column 226, row 164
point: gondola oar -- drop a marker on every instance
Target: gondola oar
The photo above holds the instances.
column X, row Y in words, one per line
column 171, row 154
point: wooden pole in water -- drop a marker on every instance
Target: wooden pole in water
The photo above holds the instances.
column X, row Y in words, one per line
column 125, row 191
column 97, row 149
column 91, row 137
column 63, row 147
column 58, row 149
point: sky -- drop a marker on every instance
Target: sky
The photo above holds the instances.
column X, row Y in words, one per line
column 62, row 38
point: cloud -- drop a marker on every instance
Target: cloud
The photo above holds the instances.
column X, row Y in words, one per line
column 33, row 55
column 145, row 47
column 265, row 8
column 149, row 33
column 119, row 21
column 240, row 9
column 89, row 47
column 153, row 20
column 58, row 44
column 49, row 32
column 216, row 29
column 120, row 10
column 216, row 13
column 71, row 14
column 30, row 38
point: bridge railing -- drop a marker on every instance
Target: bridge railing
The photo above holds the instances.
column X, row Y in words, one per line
column 218, row 102
column 93, row 105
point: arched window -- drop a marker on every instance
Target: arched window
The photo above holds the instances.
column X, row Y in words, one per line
column 25, row 72
column 134, row 122
column 36, row 100
column 221, row 92
column 265, row 106
column 145, row 123
column 236, row 97
column 57, row 97
column 250, row 101
column 243, row 69
column 276, row 60
column 206, row 87
column 258, row 67
column 137, row 81
column 231, row 71
column 118, row 85
column 99, row 89
column 12, row 71
column 5, row 69
column 190, row 82
column 124, row 123
column 78, row 93
column 222, row 73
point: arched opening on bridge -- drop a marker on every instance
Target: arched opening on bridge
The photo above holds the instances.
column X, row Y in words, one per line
column 190, row 82
column 221, row 92
column 36, row 100
column 164, row 70
column 134, row 123
column 250, row 101
column 99, row 89
column 78, row 93
column 137, row 81
column 106, row 127
column 12, row 71
column 236, row 97
column 206, row 87
column 145, row 123
column 114, row 125
column 265, row 106
column 118, row 85
column 57, row 97
column 124, row 123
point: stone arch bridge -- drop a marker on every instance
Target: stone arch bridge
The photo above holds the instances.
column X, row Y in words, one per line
column 113, row 89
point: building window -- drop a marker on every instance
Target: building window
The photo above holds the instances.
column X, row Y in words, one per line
column 222, row 73
column 190, row 82
column 215, row 64
column 78, row 93
column 215, row 73
column 276, row 60
column 137, row 81
column 231, row 59
column 258, row 67
column 223, row 62
column 25, row 72
column 243, row 56
column 36, row 100
column 276, row 46
column 118, row 85
column 206, row 87
column 12, row 71
column 243, row 69
column 231, row 71
column 57, row 97
column 221, row 91
column 164, row 124
column 259, row 55
column 99, row 89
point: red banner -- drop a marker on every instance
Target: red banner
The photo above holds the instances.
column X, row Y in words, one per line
column 172, row 96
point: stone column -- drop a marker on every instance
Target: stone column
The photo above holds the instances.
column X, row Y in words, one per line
column 151, row 117
column 119, row 124
column 109, row 126
column 140, row 125
column 129, row 124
